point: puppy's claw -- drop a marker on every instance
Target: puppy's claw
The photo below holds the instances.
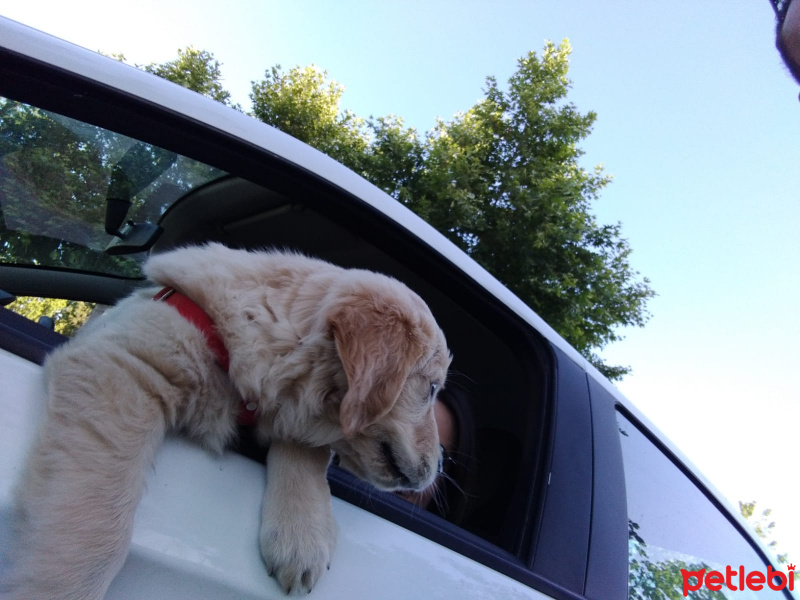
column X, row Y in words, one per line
column 306, row 580
column 297, row 566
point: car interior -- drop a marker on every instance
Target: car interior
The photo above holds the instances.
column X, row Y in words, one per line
column 501, row 371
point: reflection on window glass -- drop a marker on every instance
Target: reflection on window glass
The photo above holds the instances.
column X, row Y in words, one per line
column 673, row 526
column 56, row 175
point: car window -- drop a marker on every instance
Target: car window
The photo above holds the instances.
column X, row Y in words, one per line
column 674, row 528
column 56, row 175
column 61, row 315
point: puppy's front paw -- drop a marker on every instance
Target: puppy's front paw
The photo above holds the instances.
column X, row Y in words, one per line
column 297, row 546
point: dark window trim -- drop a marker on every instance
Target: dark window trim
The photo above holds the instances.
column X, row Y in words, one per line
column 561, row 549
column 26, row 339
column 607, row 568
column 30, row 280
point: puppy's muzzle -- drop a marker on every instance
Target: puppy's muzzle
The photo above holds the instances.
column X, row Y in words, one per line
column 391, row 462
column 414, row 477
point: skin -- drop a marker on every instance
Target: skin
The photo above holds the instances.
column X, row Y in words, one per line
column 789, row 39
column 446, row 424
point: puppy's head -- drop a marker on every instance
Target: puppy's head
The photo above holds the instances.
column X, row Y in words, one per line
column 396, row 359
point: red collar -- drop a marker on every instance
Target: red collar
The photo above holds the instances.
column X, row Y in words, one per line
column 192, row 312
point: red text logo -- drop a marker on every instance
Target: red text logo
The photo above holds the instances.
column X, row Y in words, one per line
column 737, row 580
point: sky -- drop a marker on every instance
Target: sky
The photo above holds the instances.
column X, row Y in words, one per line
column 697, row 120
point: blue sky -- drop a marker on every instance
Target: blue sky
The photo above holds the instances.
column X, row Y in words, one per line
column 698, row 122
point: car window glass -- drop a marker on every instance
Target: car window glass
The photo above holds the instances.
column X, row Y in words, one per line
column 672, row 525
column 62, row 316
column 55, row 176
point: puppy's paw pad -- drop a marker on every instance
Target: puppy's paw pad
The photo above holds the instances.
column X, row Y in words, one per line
column 297, row 556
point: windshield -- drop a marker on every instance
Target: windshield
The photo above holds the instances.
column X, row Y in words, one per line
column 56, row 175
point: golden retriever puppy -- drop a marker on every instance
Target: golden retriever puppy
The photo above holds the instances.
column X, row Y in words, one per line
column 327, row 359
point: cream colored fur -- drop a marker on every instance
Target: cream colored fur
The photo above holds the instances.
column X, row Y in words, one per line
column 337, row 360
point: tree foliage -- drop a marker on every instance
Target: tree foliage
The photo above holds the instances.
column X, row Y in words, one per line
column 660, row 579
column 305, row 104
column 764, row 527
column 195, row 69
column 68, row 315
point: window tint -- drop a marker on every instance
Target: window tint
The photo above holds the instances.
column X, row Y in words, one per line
column 672, row 525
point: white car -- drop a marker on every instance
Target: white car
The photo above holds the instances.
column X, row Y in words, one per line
column 567, row 491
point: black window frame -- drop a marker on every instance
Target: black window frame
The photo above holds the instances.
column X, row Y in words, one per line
column 607, row 568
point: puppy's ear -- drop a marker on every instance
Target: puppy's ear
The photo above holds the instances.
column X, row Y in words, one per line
column 378, row 345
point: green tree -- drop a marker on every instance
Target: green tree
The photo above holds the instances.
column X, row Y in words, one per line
column 502, row 180
column 764, row 527
column 68, row 315
column 650, row 579
column 305, row 104
column 195, row 69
